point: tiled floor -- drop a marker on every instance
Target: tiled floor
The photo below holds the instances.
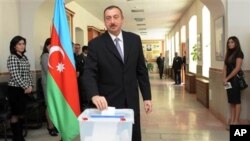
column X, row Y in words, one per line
column 176, row 116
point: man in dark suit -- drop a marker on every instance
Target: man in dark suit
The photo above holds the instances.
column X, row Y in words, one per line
column 184, row 63
column 177, row 63
column 160, row 64
column 115, row 68
column 80, row 61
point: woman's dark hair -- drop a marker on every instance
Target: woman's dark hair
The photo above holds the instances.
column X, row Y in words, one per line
column 231, row 53
column 14, row 42
column 45, row 46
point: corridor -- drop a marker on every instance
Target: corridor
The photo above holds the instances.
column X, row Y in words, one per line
column 176, row 116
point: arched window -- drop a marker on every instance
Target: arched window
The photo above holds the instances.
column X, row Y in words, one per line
column 177, row 43
column 206, row 42
column 192, row 26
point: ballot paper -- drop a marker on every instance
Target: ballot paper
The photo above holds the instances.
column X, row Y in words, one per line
column 228, row 85
column 108, row 111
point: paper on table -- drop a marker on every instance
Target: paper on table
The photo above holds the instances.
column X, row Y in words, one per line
column 108, row 111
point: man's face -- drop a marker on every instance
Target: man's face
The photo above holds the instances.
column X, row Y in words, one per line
column 77, row 49
column 113, row 20
column 86, row 51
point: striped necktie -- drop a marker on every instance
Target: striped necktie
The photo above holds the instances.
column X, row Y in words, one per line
column 119, row 48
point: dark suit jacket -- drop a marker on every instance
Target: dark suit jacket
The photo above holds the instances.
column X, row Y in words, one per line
column 177, row 63
column 106, row 74
column 160, row 62
column 80, row 61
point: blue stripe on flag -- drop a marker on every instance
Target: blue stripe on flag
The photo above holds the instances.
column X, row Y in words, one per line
column 63, row 30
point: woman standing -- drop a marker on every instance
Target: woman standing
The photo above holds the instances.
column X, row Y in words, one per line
column 20, row 85
column 232, row 65
column 44, row 70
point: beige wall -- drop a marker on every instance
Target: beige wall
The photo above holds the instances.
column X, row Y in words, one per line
column 217, row 96
column 42, row 27
column 8, row 28
column 238, row 23
column 82, row 19
column 35, row 25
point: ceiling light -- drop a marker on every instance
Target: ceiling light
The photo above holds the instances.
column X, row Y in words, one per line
column 137, row 10
column 139, row 19
column 141, row 24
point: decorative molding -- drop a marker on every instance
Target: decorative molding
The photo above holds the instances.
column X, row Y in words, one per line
column 220, row 70
column 70, row 14
column 215, row 69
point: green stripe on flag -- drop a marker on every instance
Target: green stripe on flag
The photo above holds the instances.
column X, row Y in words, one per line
column 60, row 112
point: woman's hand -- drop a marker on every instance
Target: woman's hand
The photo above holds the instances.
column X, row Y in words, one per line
column 28, row 90
column 225, row 81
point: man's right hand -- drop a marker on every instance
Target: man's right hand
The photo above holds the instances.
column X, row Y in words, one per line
column 100, row 102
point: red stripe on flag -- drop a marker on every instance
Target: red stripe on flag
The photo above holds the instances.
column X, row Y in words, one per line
column 66, row 80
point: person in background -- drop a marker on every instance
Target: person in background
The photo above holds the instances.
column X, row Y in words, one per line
column 115, row 69
column 184, row 62
column 44, row 70
column 85, row 51
column 80, row 59
column 177, row 63
column 20, row 85
column 232, row 65
column 77, row 53
column 160, row 64
column 77, row 49
column 79, row 64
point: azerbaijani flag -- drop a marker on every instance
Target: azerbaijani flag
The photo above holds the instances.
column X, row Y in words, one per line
column 62, row 91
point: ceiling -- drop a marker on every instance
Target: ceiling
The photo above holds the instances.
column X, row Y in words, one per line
column 152, row 19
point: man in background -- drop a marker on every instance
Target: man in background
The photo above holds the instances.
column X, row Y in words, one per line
column 85, row 51
column 77, row 52
column 81, row 59
column 177, row 63
column 160, row 64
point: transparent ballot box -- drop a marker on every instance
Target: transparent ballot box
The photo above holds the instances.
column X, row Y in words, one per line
column 94, row 126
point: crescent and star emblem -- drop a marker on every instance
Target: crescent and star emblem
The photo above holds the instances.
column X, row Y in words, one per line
column 53, row 49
